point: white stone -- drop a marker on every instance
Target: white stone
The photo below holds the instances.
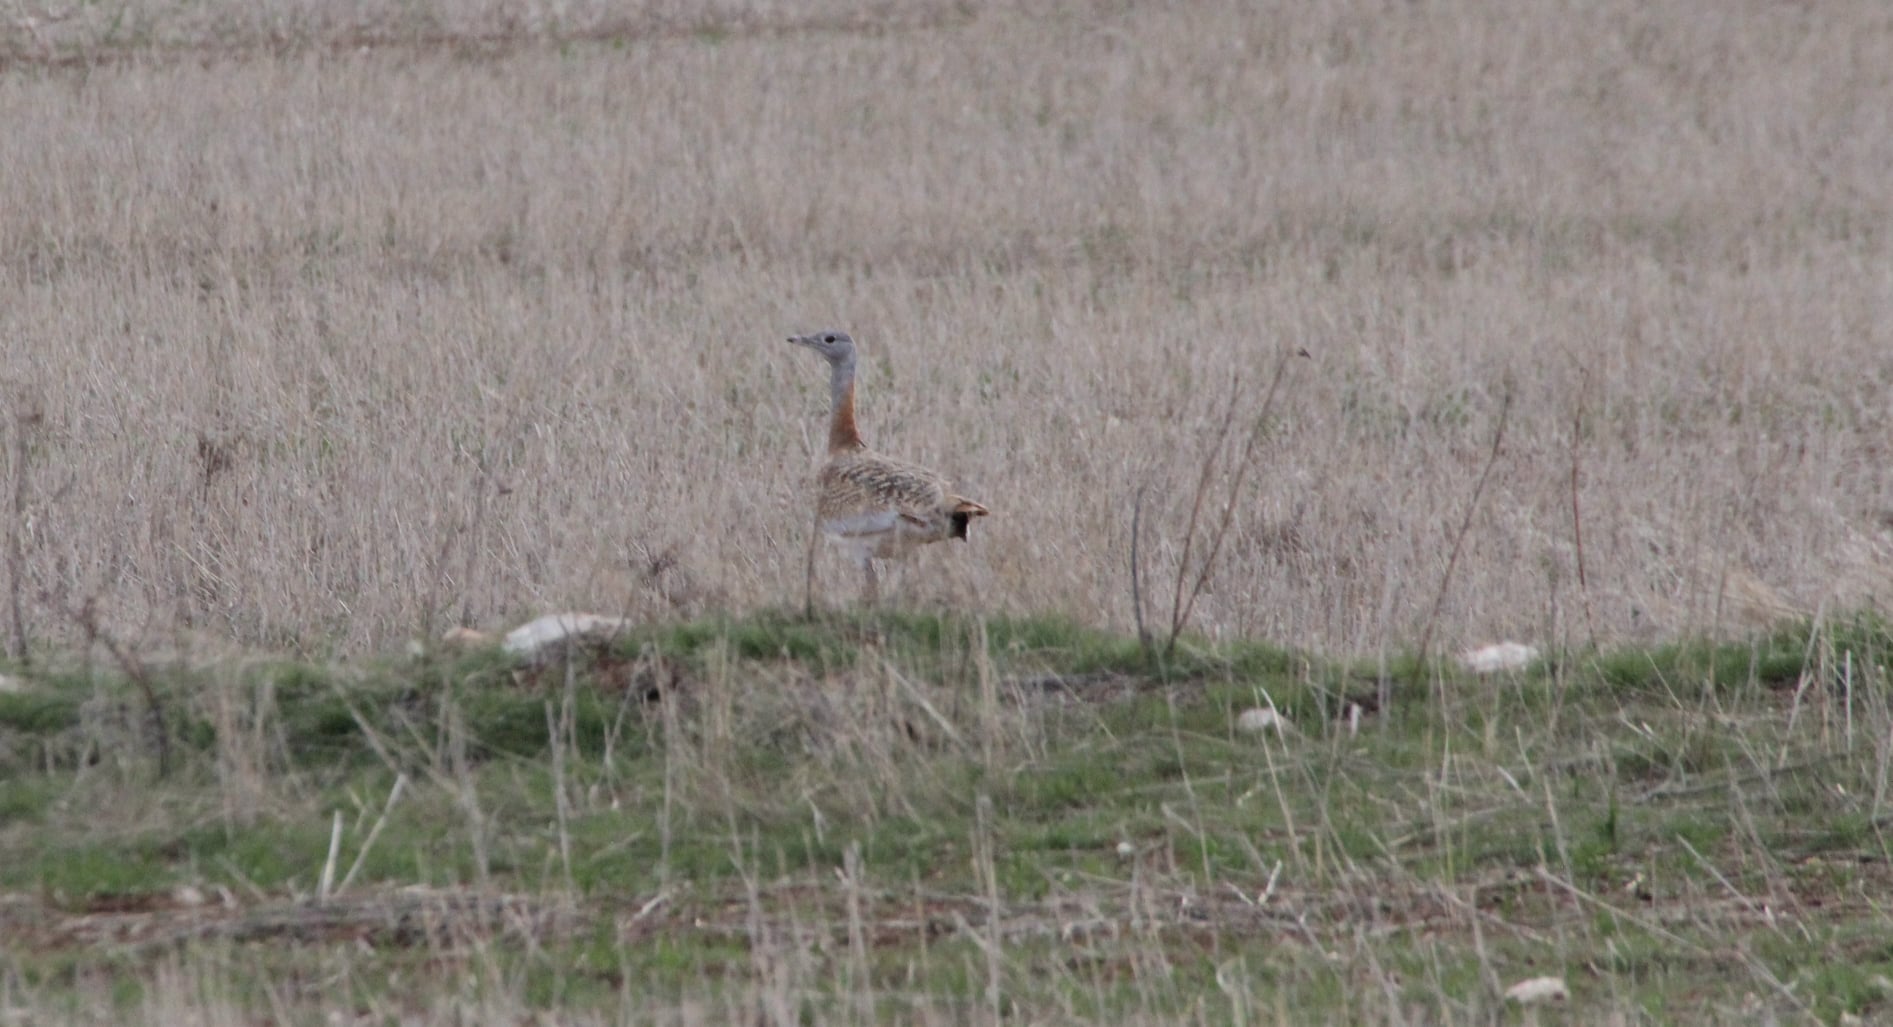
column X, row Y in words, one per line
column 534, row 635
column 1490, row 659
column 1533, row 990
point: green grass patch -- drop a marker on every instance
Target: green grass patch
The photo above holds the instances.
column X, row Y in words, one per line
column 695, row 795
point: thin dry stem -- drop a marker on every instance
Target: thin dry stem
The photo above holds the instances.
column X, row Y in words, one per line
column 1137, row 563
column 1465, row 527
column 25, row 422
column 1197, row 497
column 368, row 843
column 1577, row 517
column 1208, row 566
column 137, row 671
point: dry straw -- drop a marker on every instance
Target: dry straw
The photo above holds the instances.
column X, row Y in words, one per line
column 346, row 331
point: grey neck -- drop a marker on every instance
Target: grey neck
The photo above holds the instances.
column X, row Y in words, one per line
column 839, row 382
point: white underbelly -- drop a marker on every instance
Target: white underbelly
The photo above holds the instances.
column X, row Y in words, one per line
column 879, row 535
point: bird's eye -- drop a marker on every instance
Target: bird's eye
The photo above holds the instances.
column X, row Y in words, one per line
column 828, row 339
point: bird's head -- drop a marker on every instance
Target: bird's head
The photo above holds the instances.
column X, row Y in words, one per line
column 835, row 347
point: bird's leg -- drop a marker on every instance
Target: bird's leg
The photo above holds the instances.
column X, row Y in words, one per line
column 808, row 582
column 901, row 572
column 874, row 586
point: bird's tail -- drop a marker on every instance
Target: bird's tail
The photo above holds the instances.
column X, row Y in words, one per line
column 962, row 512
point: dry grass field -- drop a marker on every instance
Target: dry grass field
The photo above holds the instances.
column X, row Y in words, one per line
column 326, row 327
column 347, row 331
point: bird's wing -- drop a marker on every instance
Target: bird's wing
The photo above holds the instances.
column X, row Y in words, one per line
column 870, row 487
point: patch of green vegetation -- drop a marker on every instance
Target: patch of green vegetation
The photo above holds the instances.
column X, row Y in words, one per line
column 75, row 975
column 71, row 873
column 268, row 856
column 323, row 726
column 26, row 799
column 1064, row 644
column 1083, row 777
column 1704, row 832
column 1839, row 831
column 834, row 641
column 38, row 711
column 508, row 723
column 765, row 635
column 1128, row 828
column 38, row 728
column 1838, row 983
column 1673, row 756
column 1775, row 660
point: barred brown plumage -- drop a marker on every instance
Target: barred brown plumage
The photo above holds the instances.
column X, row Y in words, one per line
column 870, row 506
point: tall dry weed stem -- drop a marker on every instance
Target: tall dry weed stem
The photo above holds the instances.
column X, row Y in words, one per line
column 25, row 421
column 1182, row 600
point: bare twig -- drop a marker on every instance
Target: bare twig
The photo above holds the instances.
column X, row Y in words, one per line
column 26, row 419
column 1196, row 510
column 1208, row 565
column 562, row 733
column 808, row 580
column 1465, row 526
column 1137, row 584
column 1182, row 599
column 476, row 530
column 86, row 616
column 361, row 855
column 327, row 884
column 1577, row 519
column 985, row 866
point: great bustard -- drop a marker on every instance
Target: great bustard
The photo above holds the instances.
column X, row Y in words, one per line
column 868, row 505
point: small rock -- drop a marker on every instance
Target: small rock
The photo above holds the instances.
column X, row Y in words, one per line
column 188, row 895
column 1126, row 850
column 1257, row 719
column 10, row 685
column 535, row 635
column 1533, row 990
column 1490, row 659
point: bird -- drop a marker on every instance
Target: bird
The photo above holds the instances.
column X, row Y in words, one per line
column 870, row 506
